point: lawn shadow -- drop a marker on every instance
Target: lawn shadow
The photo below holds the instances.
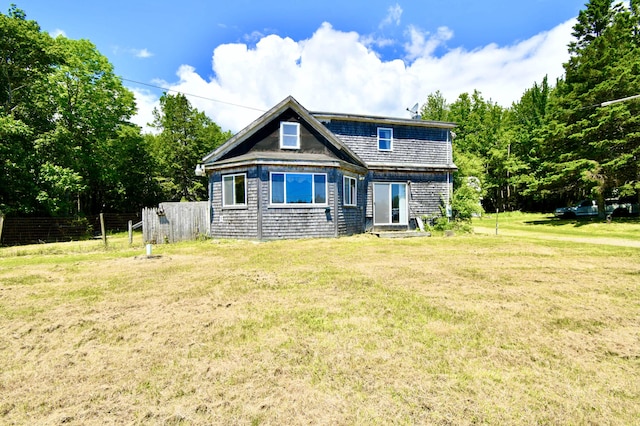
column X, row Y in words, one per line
column 556, row 221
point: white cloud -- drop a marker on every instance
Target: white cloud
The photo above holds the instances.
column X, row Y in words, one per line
column 141, row 53
column 58, row 32
column 394, row 13
column 145, row 101
column 340, row 72
column 423, row 44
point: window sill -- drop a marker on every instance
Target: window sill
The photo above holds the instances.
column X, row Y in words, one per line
column 242, row 207
column 299, row 206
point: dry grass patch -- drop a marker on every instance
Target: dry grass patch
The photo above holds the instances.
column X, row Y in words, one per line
column 355, row 330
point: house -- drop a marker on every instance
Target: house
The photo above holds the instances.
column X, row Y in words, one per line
column 293, row 173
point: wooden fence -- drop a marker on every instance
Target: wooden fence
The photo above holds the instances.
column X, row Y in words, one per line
column 29, row 230
column 172, row 222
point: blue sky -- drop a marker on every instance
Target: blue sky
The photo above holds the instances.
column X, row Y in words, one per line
column 370, row 57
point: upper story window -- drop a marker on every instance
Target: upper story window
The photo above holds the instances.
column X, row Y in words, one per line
column 385, row 139
column 234, row 190
column 289, row 135
column 349, row 191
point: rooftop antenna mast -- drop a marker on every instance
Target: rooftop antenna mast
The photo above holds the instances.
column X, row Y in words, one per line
column 415, row 115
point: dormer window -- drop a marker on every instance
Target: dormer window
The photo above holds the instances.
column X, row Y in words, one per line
column 385, row 139
column 289, row 135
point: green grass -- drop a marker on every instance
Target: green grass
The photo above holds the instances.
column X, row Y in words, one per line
column 475, row 329
column 548, row 225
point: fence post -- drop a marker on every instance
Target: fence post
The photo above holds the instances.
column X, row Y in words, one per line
column 1, row 226
column 102, row 228
column 130, row 232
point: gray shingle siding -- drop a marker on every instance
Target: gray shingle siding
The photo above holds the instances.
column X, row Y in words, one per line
column 410, row 144
column 261, row 220
column 234, row 222
column 426, row 191
column 351, row 218
column 297, row 222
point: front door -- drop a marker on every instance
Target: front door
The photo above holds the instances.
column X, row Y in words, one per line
column 390, row 204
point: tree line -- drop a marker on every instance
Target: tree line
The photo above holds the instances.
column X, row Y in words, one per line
column 68, row 147
column 560, row 142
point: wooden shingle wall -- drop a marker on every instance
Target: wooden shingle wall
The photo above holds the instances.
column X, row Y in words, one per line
column 410, row 144
column 235, row 222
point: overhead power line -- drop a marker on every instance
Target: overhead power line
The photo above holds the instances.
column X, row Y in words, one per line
column 192, row 95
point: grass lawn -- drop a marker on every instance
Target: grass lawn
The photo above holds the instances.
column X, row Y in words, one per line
column 473, row 329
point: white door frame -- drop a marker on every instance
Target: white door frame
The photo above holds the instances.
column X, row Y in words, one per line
column 403, row 206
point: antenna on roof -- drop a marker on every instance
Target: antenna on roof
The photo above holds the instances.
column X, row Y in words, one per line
column 415, row 115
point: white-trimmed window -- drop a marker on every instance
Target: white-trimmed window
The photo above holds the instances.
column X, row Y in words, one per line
column 385, row 139
column 234, row 190
column 289, row 135
column 349, row 191
column 298, row 188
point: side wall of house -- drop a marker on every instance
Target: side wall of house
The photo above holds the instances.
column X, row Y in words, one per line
column 260, row 219
column 426, row 191
column 411, row 144
column 351, row 218
column 234, row 222
column 304, row 221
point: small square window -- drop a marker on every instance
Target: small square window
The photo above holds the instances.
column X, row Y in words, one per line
column 350, row 192
column 289, row 135
column 385, row 139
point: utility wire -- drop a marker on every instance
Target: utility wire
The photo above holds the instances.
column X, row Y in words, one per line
column 190, row 94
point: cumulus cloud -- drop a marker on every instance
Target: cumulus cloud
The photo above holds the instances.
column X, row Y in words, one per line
column 341, row 71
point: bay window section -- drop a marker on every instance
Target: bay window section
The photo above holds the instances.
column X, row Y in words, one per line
column 349, row 191
column 298, row 188
column 234, row 190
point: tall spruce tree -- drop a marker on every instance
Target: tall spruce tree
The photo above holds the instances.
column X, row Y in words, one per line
column 591, row 150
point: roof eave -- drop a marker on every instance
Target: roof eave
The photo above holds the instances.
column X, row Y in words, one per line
column 322, row 116
column 412, row 167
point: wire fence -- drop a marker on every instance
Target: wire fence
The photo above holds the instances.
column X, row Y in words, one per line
column 32, row 230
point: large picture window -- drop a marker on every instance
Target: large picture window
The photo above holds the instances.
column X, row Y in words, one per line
column 289, row 135
column 298, row 188
column 349, row 191
column 385, row 139
column 234, row 190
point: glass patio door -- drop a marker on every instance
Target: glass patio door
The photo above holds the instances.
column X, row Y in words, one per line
column 390, row 204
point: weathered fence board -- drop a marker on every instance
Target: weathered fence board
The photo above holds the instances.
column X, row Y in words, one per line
column 172, row 222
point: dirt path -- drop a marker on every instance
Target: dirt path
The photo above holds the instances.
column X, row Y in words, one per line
column 621, row 242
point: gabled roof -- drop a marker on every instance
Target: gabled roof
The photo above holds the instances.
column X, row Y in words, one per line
column 253, row 128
